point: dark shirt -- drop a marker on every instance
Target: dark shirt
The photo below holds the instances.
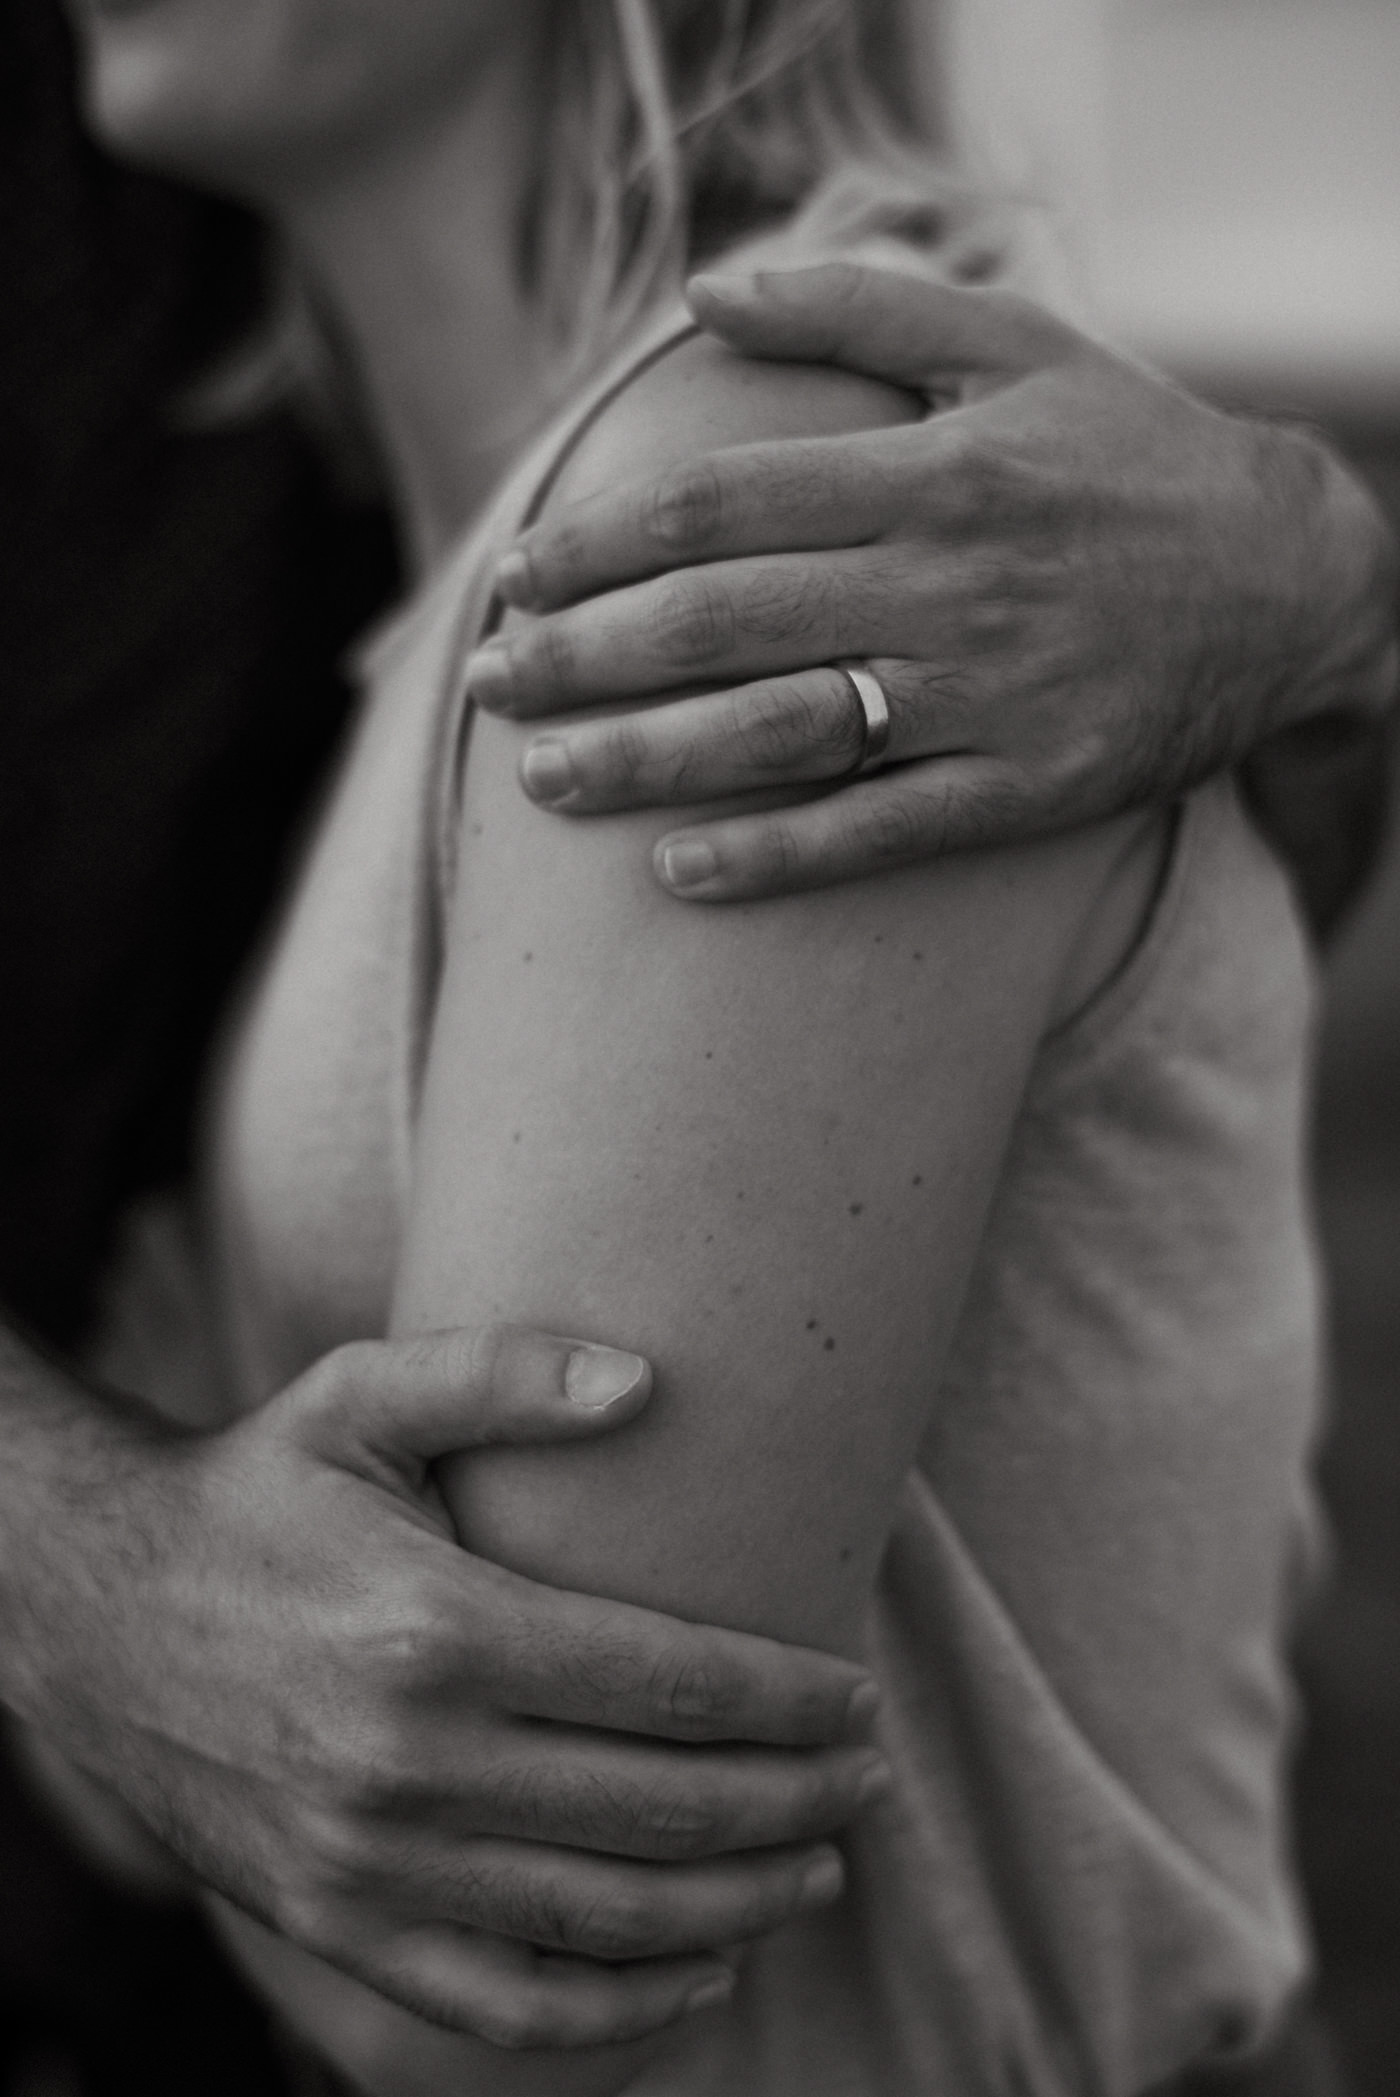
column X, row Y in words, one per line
column 171, row 609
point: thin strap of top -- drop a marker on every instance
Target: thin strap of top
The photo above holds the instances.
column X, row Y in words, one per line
column 586, row 417
column 467, row 579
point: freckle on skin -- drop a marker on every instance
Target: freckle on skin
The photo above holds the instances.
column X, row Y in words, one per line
column 478, row 829
column 918, row 1180
column 856, row 1207
column 917, row 955
column 811, row 1325
column 527, row 957
column 845, row 1554
column 830, row 1346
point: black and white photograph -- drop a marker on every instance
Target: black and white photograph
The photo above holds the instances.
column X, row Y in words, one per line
column 700, row 1079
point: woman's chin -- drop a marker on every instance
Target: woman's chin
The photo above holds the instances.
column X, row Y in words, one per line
column 172, row 136
column 157, row 89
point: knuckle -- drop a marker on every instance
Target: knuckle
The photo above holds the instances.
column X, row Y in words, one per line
column 558, row 550
column 693, row 623
column 372, row 1775
column 845, row 287
column 686, row 508
column 934, row 701
column 621, row 1924
column 991, row 622
column 767, row 728
column 626, row 752
column 785, row 604
column 678, row 1830
column 773, row 728
column 486, row 1351
column 514, row 1796
column 519, row 1902
column 895, row 827
column 1002, row 802
column 344, row 1856
column 986, row 477
column 515, row 2021
column 308, row 1916
column 599, row 1673
column 332, row 1382
column 777, row 857
column 548, row 654
column 690, row 1690
column 403, row 1651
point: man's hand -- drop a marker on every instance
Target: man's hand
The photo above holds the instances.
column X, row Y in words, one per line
column 1079, row 586
column 526, row 1814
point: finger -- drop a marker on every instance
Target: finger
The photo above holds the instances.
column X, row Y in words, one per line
column 562, row 1899
column 731, row 620
column 405, row 1402
column 899, row 818
column 542, row 1653
column 516, row 1997
column 800, row 495
column 888, row 324
column 598, row 1791
column 781, row 731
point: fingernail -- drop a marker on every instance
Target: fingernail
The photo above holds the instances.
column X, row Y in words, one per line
column 686, row 863
column 875, row 1783
column 711, row 1993
column 725, row 289
column 860, row 1711
column 486, row 678
column 515, row 579
column 547, row 770
column 596, row 1377
column 822, row 1881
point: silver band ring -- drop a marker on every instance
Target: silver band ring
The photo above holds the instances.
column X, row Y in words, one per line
column 874, row 715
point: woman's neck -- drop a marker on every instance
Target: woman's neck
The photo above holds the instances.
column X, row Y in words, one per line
column 415, row 245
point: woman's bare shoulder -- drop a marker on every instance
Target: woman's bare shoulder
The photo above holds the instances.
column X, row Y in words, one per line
column 700, row 397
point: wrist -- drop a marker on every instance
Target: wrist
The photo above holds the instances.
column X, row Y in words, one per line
column 68, row 1458
column 1342, row 583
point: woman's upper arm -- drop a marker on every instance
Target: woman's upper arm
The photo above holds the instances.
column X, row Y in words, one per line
column 756, row 1144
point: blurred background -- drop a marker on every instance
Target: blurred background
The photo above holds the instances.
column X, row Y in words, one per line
column 1228, row 177
column 1228, row 172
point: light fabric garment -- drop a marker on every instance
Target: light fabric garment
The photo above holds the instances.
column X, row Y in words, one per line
column 1080, row 1882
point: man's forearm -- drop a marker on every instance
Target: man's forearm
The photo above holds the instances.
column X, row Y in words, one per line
column 63, row 1447
column 266, row 1643
column 1342, row 585
column 1319, row 782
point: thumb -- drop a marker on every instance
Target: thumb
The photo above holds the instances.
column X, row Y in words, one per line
column 885, row 323
column 406, row 1402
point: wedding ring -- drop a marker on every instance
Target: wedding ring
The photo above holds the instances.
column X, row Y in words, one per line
column 874, row 715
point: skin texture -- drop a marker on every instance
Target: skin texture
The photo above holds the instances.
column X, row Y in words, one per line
column 1081, row 589
column 770, row 1138
column 375, row 1742
column 268, row 1644
column 375, row 252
